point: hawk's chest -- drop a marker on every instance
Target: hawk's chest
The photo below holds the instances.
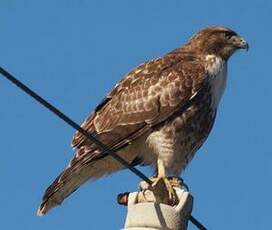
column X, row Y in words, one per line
column 217, row 74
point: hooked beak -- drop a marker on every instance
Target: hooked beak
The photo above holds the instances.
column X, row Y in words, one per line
column 240, row 43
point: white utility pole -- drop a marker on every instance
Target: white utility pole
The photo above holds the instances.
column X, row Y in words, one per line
column 148, row 209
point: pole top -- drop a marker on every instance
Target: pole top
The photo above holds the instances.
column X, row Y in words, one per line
column 146, row 212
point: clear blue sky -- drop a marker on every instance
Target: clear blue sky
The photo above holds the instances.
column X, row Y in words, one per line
column 73, row 52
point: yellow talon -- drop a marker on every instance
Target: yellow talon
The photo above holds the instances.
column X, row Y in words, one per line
column 163, row 189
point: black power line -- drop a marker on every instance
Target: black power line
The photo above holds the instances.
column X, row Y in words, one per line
column 197, row 223
column 73, row 124
column 69, row 121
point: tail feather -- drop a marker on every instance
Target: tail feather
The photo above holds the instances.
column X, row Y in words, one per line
column 72, row 178
column 59, row 190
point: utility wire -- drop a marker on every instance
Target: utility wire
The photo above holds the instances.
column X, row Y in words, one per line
column 197, row 223
column 73, row 124
column 69, row 121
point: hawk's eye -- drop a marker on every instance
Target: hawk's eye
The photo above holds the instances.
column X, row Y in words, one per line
column 228, row 34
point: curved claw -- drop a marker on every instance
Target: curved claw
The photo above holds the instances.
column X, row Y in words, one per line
column 164, row 191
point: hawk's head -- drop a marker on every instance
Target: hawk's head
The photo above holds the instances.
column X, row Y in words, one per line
column 217, row 40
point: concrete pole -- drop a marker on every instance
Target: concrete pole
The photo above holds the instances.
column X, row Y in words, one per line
column 148, row 210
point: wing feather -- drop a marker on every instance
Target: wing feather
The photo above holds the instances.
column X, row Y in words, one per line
column 144, row 98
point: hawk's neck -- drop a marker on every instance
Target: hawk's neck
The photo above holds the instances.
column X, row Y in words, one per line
column 216, row 69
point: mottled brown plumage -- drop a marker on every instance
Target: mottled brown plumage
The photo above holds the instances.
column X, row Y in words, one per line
column 165, row 109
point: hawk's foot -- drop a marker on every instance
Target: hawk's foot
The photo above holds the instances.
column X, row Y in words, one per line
column 163, row 189
column 176, row 181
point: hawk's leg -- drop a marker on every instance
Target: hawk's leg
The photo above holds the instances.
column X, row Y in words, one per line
column 167, row 183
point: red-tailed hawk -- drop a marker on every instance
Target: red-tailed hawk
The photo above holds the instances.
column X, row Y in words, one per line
column 159, row 114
